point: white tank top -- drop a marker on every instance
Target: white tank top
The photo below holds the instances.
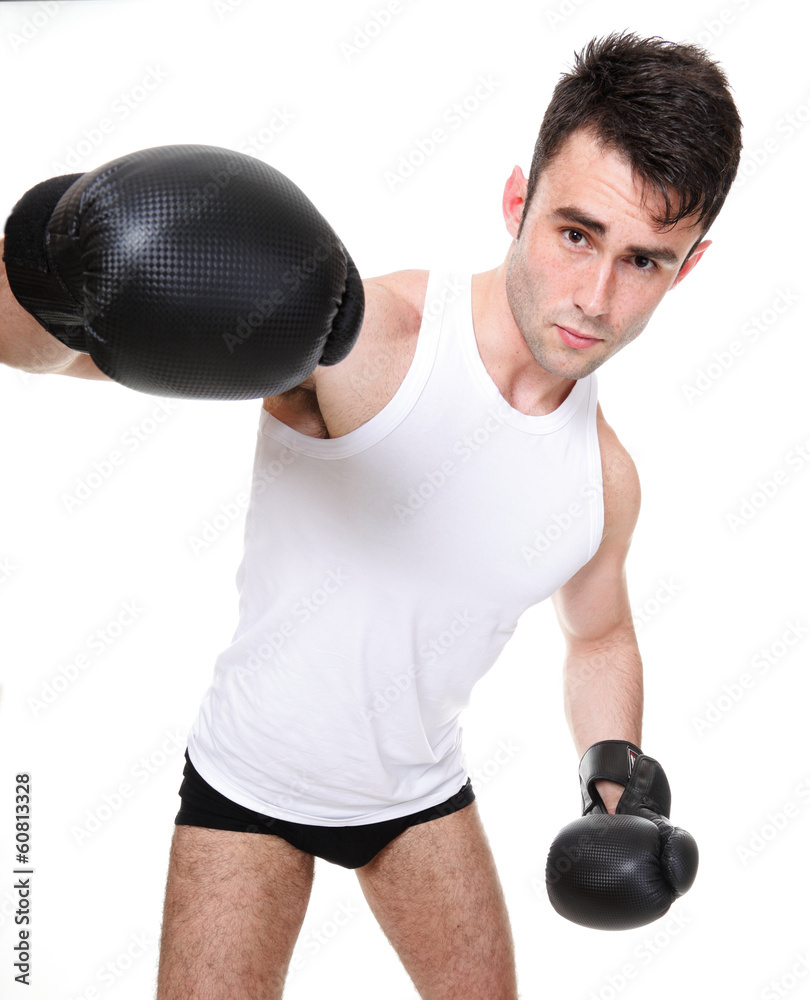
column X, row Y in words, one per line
column 383, row 573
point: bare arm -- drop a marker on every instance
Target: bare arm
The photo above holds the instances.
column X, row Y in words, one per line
column 26, row 345
column 603, row 681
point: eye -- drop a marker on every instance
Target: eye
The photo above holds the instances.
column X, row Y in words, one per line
column 575, row 236
column 644, row 263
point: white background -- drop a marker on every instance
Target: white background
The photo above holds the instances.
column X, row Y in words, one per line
column 708, row 595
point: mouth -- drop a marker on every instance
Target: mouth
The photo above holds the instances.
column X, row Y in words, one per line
column 573, row 338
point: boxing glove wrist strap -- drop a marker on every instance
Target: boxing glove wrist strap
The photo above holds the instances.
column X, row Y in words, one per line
column 646, row 788
column 31, row 277
column 609, row 760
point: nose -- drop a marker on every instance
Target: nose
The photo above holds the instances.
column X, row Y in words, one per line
column 594, row 291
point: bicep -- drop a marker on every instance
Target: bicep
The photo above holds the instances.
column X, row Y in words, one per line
column 594, row 604
column 305, row 394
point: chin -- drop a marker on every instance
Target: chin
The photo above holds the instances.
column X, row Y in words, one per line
column 564, row 365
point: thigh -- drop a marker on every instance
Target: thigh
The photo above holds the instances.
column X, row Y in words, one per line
column 234, row 907
column 436, row 894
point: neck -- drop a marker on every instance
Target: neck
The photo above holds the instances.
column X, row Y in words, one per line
column 523, row 383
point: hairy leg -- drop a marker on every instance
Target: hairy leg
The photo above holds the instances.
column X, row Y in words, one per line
column 234, row 907
column 436, row 894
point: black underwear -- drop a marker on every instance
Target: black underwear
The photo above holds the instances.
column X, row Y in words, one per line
column 348, row 846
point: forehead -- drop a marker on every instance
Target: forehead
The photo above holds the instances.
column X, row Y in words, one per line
column 600, row 181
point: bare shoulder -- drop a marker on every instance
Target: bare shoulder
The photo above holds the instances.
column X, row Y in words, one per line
column 398, row 296
column 391, row 322
column 343, row 395
column 620, row 484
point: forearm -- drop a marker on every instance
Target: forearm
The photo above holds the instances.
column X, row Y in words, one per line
column 604, row 699
column 604, row 693
column 23, row 342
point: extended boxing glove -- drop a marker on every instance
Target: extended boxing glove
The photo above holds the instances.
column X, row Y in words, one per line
column 617, row 871
column 186, row 270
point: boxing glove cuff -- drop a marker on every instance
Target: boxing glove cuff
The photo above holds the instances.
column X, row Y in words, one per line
column 349, row 316
column 609, row 760
column 646, row 784
column 33, row 280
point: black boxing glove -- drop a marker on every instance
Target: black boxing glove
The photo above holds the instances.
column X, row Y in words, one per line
column 186, row 270
column 617, row 871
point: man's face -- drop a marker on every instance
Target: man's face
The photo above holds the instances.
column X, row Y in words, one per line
column 590, row 260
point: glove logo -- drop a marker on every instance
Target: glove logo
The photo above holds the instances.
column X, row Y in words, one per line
column 631, row 760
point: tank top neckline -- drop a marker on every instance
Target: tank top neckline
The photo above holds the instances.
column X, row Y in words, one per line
column 531, row 423
column 459, row 326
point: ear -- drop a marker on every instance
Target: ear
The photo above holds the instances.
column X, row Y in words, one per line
column 514, row 194
column 691, row 261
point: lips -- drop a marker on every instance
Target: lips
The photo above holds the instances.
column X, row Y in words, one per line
column 573, row 338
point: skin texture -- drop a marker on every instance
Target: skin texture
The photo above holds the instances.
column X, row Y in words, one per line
column 562, row 273
column 235, row 902
column 232, row 913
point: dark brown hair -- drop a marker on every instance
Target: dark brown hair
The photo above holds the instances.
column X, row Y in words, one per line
column 665, row 107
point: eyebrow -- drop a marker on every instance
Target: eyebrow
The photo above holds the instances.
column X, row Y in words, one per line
column 569, row 213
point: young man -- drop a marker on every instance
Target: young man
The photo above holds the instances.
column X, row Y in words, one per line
column 409, row 503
